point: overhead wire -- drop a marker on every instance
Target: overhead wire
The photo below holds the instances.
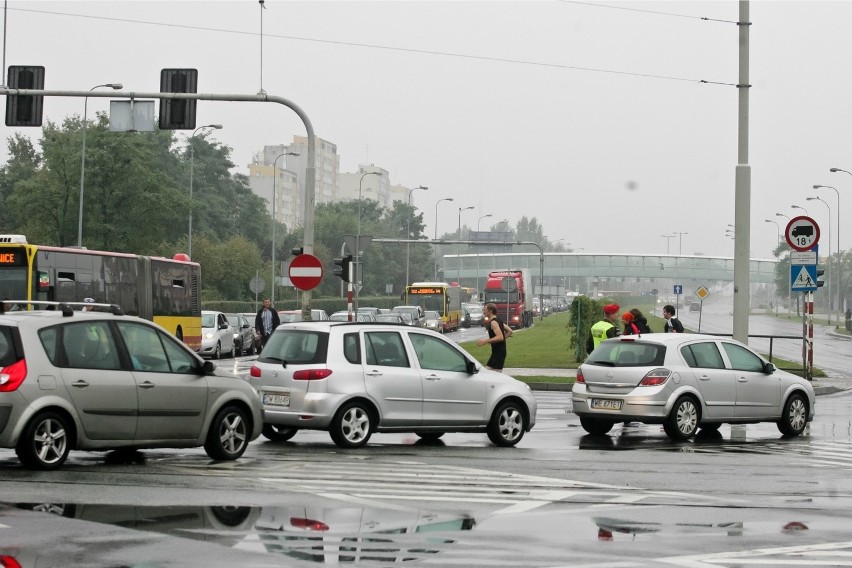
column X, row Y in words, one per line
column 405, row 49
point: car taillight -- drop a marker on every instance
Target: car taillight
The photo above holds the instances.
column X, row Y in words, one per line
column 255, row 371
column 580, row 378
column 12, row 376
column 311, row 374
column 9, row 562
column 655, row 377
column 308, row 524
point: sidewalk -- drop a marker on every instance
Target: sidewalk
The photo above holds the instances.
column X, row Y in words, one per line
column 822, row 385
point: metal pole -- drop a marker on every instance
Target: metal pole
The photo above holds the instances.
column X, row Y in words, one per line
column 477, row 254
column 191, row 175
column 458, row 259
column 274, row 220
column 436, row 233
column 742, row 185
column 358, row 242
column 408, row 235
column 828, row 262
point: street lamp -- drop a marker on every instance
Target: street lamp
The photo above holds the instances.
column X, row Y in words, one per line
column 802, row 208
column 777, row 227
column 668, row 240
column 274, row 220
column 436, row 233
column 458, row 260
column 358, row 240
column 408, row 232
column 782, row 215
column 115, row 86
column 828, row 263
column 477, row 252
column 191, row 174
column 839, row 250
column 680, row 242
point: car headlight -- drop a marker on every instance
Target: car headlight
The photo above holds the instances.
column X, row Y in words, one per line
column 208, row 335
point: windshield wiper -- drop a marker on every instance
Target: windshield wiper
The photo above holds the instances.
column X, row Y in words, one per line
column 603, row 363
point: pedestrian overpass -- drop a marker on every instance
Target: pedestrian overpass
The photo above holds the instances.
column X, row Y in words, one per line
column 602, row 271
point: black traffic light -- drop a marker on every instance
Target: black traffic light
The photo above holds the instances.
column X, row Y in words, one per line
column 342, row 268
column 24, row 110
column 178, row 114
column 820, row 280
column 298, row 251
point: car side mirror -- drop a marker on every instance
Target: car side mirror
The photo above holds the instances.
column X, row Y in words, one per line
column 208, row 367
column 223, row 326
column 768, row 368
column 471, row 367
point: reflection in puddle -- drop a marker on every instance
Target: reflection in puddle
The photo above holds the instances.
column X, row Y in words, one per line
column 322, row 535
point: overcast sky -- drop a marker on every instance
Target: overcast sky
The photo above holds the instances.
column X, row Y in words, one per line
column 589, row 116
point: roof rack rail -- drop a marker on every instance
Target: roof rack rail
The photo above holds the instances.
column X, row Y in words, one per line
column 67, row 308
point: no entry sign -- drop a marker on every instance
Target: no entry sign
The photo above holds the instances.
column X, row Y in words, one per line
column 305, row 272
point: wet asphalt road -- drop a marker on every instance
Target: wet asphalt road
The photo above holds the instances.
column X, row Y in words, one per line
column 561, row 498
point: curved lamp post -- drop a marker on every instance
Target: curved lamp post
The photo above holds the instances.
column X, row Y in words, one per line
column 839, row 250
column 191, row 174
column 477, row 253
column 436, row 233
column 458, row 260
column 777, row 227
column 668, row 240
column 802, row 208
column 828, row 263
column 358, row 240
column 275, row 221
column 408, row 234
column 115, row 86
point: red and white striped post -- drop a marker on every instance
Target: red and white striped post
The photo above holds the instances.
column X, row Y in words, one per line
column 808, row 334
column 349, row 289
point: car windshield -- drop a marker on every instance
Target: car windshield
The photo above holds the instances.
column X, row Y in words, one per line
column 430, row 315
column 628, row 354
column 289, row 317
column 233, row 319
column 208, row 320
column 389, row 318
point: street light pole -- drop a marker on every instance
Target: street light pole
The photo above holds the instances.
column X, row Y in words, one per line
column 777, row 228
column 840, row 287
column 436, row 233
column 828, row 263
column 275, row 220
column 358, row 241
column 680, row 242
column 115, row 86
column 408, row 234
column 668, row 240
column 191, row 174
column 477, row 253
column 802, row 208
column 458, row 259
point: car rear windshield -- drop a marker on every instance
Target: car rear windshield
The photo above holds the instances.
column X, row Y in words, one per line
column 628, row 354
column 295, row 346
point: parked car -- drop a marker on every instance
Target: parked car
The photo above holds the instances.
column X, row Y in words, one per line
column 369, row 310
column 344, row 316
column 694, row 306
column 98, row 381
column 433, row 321
column 418, row 318
column 217, row 337
column 686, row 382
column 258, row 344
column 392, row 318
column 465, row 317
column 474, row 309
column 243, row 333
column 289, row 316
column 354, row 379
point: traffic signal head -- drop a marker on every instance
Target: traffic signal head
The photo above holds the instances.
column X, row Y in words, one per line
column 178, row 114
column 342, row 268
column 24, row 110
column 820, row 280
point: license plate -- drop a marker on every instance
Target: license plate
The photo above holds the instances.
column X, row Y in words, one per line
column 276, row 399
column 606, row 404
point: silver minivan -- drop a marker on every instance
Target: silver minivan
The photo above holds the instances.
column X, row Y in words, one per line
column 354, row 379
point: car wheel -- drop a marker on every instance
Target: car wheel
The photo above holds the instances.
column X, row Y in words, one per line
column 218, row 351
column 277, row 433
column 795, row 416
column 351, row 427
column 596, row 426
column 682, row 422
column 44, row 442
column 228, row 436
column 507, row 425
column 429, row 436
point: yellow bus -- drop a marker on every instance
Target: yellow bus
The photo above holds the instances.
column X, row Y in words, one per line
column 437, row 296
column 165, row 291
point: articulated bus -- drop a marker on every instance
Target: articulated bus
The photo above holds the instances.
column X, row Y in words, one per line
column 165, row 291
column 437, row 296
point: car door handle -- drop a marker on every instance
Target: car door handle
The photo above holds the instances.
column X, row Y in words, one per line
column 433, row 378
column 81, row 384
column 742, row 379
column 146, row 385
column 704, row 378
column 374, row 373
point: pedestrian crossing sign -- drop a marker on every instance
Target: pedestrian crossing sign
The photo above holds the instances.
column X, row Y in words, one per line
column 803, row 278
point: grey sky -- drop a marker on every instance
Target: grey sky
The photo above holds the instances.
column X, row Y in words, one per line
column 588, row 116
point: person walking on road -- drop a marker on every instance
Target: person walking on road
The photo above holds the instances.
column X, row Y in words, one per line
column 266, row 321
column 673, row 324
column 604, row 329
column 498, row 332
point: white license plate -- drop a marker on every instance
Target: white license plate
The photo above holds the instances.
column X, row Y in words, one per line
column 276, row 399
column 606, row 404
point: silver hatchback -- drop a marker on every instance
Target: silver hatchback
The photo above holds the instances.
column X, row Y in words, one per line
column 98, row 381
column 354, row 379
column 686, row 382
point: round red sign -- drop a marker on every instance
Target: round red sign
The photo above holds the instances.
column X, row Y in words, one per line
column 305, row 272
column 802, row 233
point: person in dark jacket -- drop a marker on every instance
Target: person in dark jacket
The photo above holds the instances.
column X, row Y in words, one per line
column 640, row 321
column 630, row 327
column 673, row 324
column 266, row 321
